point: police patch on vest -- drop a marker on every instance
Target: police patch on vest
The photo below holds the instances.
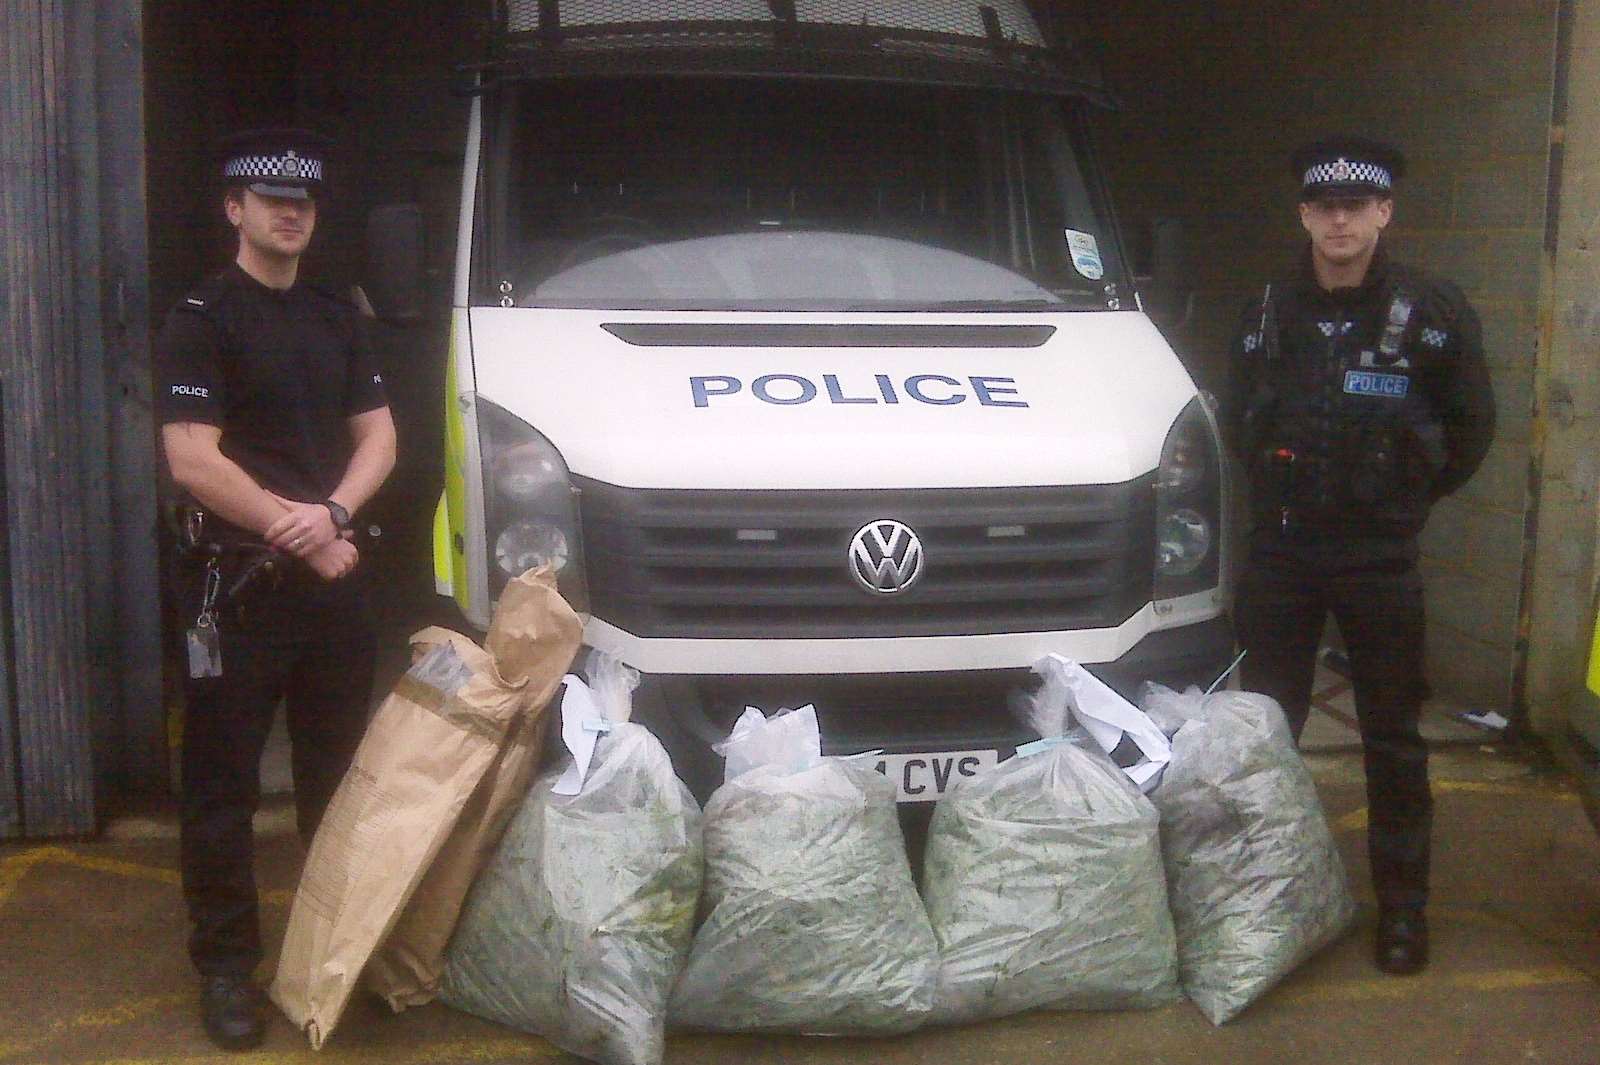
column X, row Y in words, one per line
column 1363, row 383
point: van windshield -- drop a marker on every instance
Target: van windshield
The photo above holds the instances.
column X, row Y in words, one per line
column 753, row 195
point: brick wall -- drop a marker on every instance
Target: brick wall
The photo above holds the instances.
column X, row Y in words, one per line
column 1214, row 101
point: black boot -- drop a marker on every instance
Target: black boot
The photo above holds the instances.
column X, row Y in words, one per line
column 1402, row 942
column 231, row 1008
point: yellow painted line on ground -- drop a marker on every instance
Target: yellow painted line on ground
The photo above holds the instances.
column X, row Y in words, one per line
column 157, row 873
column 1389, row 987
column 1354, row 821
column 125, row 1012
column 451, row 1052
column 118, row 867
column 14, row 868
column 128, row 1011
column 1486, row 787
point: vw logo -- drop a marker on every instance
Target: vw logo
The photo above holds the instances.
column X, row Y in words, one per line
column 885, row 557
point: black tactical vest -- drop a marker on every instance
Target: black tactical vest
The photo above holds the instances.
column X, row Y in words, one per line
column 1339, row 434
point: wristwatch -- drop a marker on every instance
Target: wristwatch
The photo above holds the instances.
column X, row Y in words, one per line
column 340, row 516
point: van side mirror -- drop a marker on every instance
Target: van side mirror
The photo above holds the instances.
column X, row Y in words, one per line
column 1167, row 289
column 395, row 268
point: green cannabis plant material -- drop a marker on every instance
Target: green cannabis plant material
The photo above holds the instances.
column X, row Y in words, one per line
column 1255, row 880
column 579, row 926
column 813, row 921
column 1044, row 885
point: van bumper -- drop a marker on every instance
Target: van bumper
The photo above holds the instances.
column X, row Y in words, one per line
column 906, row 712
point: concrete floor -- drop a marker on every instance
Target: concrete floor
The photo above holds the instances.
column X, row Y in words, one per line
column 92, row 967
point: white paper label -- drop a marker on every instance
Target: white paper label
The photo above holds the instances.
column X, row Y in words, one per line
column 1108, row 718
column 582, row 724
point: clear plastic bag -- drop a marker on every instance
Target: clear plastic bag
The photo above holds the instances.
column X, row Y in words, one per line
column 579, row 926
column 1254, row 877
column 1044, row 885
column 1172, row 710
column 813, row 923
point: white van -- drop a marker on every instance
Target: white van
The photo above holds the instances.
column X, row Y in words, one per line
column 800, row 336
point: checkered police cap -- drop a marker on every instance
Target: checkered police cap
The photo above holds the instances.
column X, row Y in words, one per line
column 1344, row 171
column 1347, row 166
column 275, row 162
column 288, row 165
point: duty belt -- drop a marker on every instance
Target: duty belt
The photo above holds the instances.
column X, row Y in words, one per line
column 260, row 563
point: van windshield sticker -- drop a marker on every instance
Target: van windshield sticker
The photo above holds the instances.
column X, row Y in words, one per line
column 1085, row 254
column 793, row 390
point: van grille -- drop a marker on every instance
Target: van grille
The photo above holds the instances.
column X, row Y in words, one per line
column 773, row 564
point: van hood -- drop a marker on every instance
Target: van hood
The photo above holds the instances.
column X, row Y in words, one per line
column 809, row 401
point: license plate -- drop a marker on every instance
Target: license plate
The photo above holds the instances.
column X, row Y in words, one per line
column 925, row 777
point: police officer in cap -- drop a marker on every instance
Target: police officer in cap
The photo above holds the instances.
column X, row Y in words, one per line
column 1359, row 397
column 274, row 424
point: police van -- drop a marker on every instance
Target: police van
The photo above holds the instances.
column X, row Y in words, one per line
column 799, row 337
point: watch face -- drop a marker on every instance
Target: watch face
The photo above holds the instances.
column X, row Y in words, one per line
column 341, row 516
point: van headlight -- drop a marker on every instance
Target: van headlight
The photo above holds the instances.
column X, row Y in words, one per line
column 530, row 506
column 1189, row 506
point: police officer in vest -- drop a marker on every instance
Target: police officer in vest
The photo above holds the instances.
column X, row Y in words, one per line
column 1359, row 397
column 274, row 424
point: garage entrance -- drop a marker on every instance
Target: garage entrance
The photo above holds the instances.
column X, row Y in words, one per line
column 1467, row 89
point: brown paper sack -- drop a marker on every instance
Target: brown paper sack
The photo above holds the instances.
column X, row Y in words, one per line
column 407, row 968
column 424, row 756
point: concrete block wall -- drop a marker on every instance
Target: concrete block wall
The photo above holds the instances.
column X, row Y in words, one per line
column 377, row 79
column 1215, row 98
column 1567, row 391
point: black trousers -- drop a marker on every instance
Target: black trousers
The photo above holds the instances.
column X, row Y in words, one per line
column 309, row 644
column 1374, row 591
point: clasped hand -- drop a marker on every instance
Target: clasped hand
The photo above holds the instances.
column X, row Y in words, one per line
column 307, row 532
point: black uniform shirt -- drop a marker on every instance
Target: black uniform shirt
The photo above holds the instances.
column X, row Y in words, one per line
column 279, row 372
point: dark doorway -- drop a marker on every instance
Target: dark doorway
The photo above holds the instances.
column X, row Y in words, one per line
column 378, row 78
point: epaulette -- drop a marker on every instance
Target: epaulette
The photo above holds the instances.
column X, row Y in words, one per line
column 1439, row 307
column 203, row 296
column 1448, row 300
column 332, row 295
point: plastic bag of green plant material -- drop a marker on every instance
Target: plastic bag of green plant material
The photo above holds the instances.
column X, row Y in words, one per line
column 1254, row 878
column 813, row 923
column 1044, row 884
column 578, row 927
